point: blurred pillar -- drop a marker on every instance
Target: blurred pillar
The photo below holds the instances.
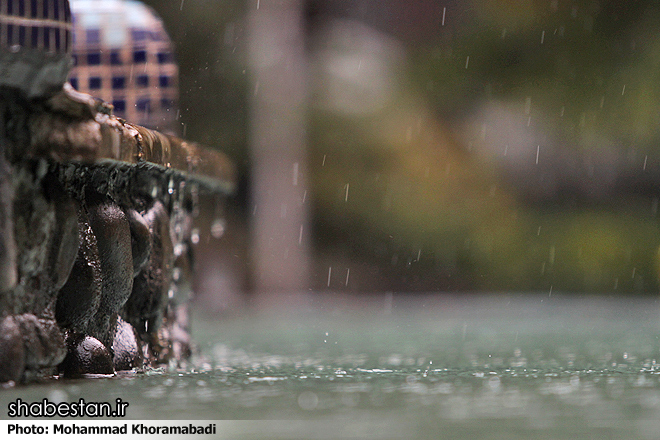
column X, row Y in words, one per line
column 278, row 136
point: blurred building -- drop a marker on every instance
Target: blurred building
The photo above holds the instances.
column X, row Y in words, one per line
column 36, row 37
column 123, row 56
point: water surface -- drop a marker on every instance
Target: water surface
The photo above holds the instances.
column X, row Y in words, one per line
column 434, row 366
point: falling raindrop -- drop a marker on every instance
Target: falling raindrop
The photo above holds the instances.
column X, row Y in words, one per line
column 538, row 148
column 444, row 12
column 295, row 173
column 551, row 257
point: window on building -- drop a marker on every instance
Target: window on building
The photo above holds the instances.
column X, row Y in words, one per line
column 119, row 105
column 118, row 82
column 142, row 80
column 140, row 56
column 143, row 104
column 94, row 83
column 115, row 58
column 93, row 36
column 94, row 59
column 164, row 57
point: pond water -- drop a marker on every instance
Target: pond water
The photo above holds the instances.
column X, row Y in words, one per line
column 398, row 367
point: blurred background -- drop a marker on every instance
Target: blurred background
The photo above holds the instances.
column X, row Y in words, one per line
column 428, row 145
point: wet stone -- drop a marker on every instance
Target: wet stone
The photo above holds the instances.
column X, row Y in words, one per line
column 12, row 350
column 85, row 355
column 89, row 235
column 34, row 230
column 43, row 344
column 65, row 239
column 140, row 240
column 111, row 229
column 126, row 353
column 79, row 298
column 145, row 307
column 7, row 245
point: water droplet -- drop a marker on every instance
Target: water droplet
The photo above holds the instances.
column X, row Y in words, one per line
column 179, row 249
column 194, row 236
column 308, row 400
column 218, row 228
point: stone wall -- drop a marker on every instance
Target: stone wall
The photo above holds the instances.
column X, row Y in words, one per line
column 95, row 252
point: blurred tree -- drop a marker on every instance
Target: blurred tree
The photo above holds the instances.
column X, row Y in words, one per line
column 475, row 144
